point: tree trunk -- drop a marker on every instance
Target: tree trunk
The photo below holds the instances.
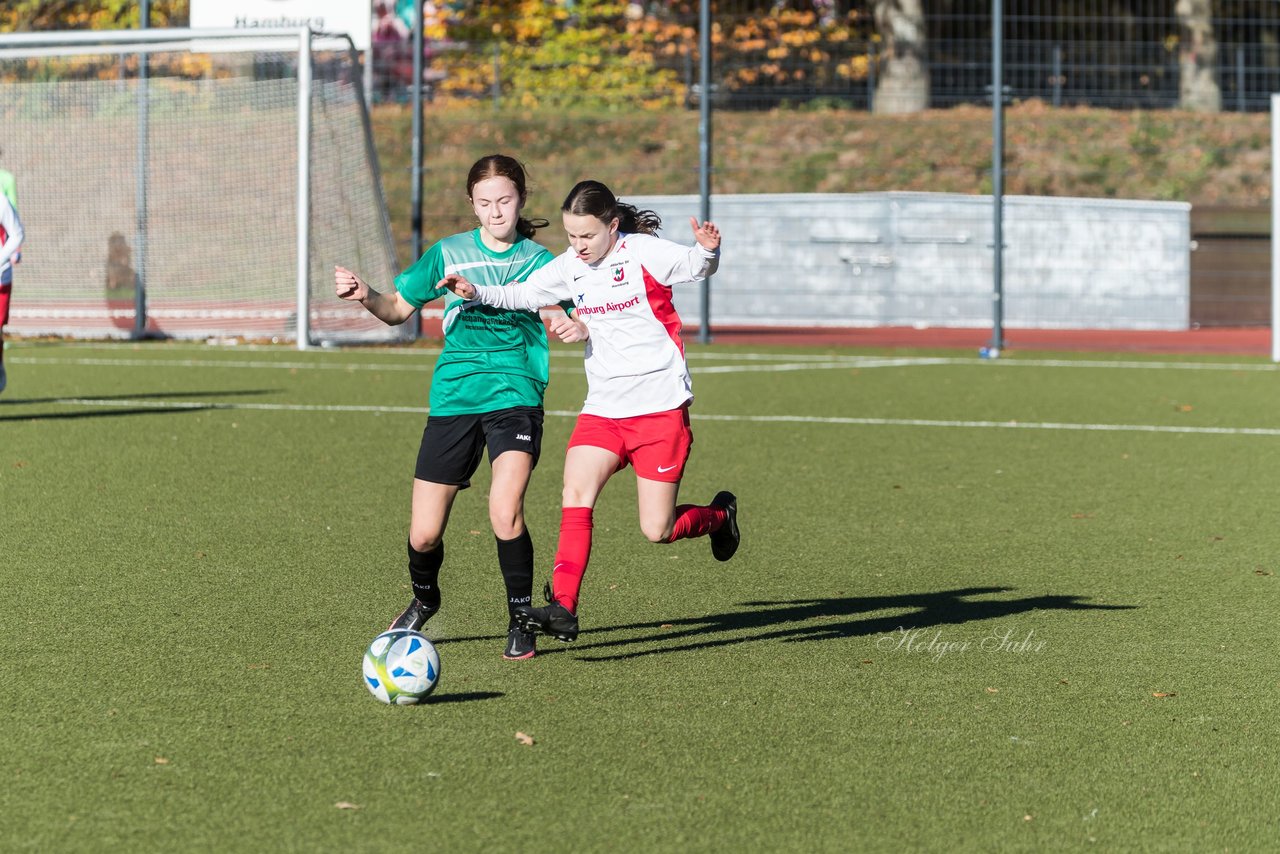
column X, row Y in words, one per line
column 1198, row 57
column 903, row 86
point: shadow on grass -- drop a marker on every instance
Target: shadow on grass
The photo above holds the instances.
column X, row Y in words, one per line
column 468, row 697
column 68, row 400
column 828, row 619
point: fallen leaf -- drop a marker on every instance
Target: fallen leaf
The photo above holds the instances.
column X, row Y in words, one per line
column 160, row 760
column 1261, row 571
column 346, row 805
column 524, row 739
column 1026, row 818
column 993, row 690
column 259, row 666
column 867, row 661
column 475, row 533
column 20, row 464
column 1081, row 515
column 1186, row 407
column 1163, row 694
column 667, row 626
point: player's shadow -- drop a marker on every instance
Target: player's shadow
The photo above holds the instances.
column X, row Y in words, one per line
column 107, row 412
column 826, row 619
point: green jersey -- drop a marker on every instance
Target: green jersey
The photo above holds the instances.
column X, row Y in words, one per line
column 492, row 359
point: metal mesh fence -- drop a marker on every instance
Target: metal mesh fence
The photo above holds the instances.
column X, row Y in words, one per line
column 859, row 95
column 1112, row 53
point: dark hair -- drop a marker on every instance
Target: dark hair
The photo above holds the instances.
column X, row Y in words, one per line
column 591, row 198
column 502, row 166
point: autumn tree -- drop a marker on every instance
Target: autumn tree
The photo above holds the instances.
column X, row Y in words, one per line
column 903, row 85
column 33, row 15
column 1198, row 88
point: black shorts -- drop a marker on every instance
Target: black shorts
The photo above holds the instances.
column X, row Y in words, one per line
column 453, row 444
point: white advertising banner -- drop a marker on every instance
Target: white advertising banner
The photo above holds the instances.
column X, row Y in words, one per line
column 353, row 17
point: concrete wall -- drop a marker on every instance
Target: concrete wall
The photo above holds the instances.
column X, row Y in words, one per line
column 925, row 259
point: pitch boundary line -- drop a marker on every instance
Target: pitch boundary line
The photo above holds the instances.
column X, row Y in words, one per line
column 755, row 419
column 782, row 363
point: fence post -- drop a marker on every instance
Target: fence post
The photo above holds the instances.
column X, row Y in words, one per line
column 871, row 75
column 1057, row 75
column 140, row 212
column 1240, row 99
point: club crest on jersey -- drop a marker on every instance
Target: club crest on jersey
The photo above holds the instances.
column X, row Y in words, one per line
column 619, row 273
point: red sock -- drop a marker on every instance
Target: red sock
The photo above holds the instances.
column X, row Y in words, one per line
column 693, row 521
column 572, row 555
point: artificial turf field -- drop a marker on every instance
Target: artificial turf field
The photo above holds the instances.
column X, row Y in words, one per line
column 1025, row 604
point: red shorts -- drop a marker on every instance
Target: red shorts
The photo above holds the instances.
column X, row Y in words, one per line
column 656, row 445
column 5, row 290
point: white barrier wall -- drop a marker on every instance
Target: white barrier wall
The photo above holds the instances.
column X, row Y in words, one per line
column 925, row 259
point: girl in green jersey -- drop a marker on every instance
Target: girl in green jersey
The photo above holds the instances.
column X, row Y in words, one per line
column 486, row 390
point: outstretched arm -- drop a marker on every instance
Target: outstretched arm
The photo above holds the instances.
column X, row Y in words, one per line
column 530, row 295
column 391, row 309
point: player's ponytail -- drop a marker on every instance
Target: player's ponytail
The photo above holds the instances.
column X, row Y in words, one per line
column 529, row 227
column 591, row 198
column 500, row 165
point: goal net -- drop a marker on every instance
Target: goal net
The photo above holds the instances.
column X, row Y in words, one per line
column 207, row 194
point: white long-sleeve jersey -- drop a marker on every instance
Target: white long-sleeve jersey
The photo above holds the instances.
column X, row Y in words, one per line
column 11, row 236
column 635, row 360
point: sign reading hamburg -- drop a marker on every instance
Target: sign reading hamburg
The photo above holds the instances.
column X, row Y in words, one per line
column 333, row 16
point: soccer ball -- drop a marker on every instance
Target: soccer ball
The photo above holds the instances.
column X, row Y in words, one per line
column 401, row 667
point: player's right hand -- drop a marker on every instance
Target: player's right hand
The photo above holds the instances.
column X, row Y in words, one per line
column 348, row 285
column 458, row 285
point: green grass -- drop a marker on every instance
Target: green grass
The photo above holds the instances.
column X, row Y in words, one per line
column 198, row 543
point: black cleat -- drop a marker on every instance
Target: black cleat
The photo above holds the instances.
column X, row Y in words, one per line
column 521, row 644
column 724, row 542
column 554, row 620
column 414, row 616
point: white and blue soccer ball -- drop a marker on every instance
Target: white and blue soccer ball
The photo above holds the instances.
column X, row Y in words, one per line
column 401, row 667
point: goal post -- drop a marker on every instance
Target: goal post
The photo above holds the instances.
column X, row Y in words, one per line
column 210, row 197
column 1275, row 227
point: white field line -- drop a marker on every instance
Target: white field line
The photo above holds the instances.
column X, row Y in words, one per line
column 755, row 419
column 769, row 363
column 556, row 353
column 424, row 367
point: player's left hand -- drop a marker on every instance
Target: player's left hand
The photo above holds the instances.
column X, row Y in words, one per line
column 568, row 330
column 707, row 235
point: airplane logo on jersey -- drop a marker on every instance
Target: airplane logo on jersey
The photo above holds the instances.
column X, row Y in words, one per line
column 581, row 297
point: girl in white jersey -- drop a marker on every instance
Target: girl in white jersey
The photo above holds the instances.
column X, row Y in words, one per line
column 11, row 235
column 619, row 276
column 486, row 389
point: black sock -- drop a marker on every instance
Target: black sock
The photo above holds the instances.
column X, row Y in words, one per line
column 515, row 557
column 424, row 574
